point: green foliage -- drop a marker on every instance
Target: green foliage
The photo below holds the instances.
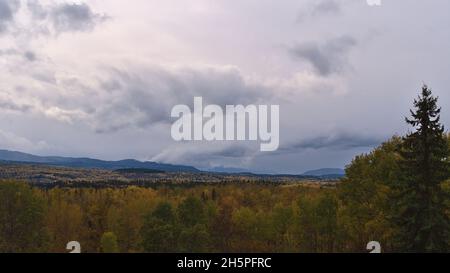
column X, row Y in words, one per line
column 191, row 212
column 397, row 194
column 164, row 212
column 21, row 218
column 318, row 222
column 192, row 216
column 194, row 239
column 109, row 243
column 159, row 232
column 282, row 224
column 364, row 197
column 421, row 209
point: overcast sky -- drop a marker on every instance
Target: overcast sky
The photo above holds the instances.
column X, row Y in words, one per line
column 99, row 78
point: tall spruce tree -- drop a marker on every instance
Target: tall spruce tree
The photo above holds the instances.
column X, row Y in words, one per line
column 421, row 211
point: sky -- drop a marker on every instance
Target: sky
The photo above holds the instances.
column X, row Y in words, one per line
column 99, row 78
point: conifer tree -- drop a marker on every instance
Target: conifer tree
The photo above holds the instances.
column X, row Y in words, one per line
column 420, row 209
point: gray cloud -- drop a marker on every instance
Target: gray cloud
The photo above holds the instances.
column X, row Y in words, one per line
column 318, row 9
column 64, row 17
column 11, row 106
column 8, row 52
column 30, row 56
column 64, row 98
column 336, row 140
column 206, row 155
column 234, row 151
column 12, row 141
column 146, row 96
column 326, row 7
column 37, row 11
column 74, row 17
column 326, row 58
column 7, row 10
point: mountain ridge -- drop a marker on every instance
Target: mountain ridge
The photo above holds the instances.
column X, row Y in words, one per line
column 85, row 162
column 325, row 171
column 8, row 157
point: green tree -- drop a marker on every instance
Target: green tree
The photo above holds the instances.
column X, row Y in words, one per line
column 245, row 229
column 109, row 243
column 364, row 198
column 317, row 221
column 21, row 218
column 326, row 211
column 159, row 233
column 194, row 239
column 420, row 211
column 282, row 219
column 194, row 235
column 307, row 219
column 164, row 212
column 191, row 212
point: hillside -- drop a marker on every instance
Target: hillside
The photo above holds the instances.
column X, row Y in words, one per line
column 19, row 157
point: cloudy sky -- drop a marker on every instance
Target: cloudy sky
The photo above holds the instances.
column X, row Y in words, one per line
column 99, row 78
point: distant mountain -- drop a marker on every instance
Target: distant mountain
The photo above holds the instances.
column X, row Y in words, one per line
column 12, row 156
column 146, row 166
column 138, row 171
column 227, row 170
column 326, row 172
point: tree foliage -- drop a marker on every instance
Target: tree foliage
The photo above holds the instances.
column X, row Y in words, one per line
column 109, row 243
column 21, row 218
column 421, row 208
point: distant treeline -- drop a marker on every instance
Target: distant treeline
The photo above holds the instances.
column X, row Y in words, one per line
column 138, row 170
column 45, row 176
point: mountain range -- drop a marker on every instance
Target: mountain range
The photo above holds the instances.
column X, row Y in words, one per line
column 19, row 157
column 7, row 156
column 325, row 171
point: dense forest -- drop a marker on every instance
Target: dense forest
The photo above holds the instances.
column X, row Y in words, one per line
column 398, row 195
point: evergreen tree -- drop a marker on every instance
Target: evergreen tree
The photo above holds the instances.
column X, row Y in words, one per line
column 191, row 212
column 420, row 211
column 159, row 233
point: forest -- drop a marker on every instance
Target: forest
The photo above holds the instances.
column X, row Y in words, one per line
column 398, row 195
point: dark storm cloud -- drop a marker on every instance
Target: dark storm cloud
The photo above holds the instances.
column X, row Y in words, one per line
column 340, row 141
column 7, row 10
column 206, row 155
column 74, row 17
column 148, row 94
column 327, row 58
